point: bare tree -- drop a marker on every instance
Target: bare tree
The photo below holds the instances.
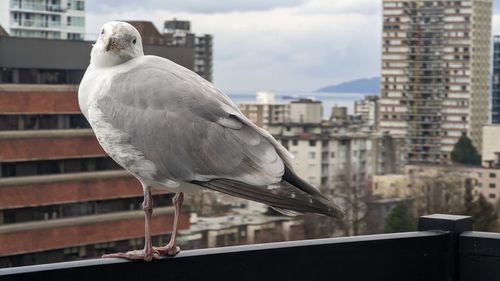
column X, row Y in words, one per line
column 351, row 192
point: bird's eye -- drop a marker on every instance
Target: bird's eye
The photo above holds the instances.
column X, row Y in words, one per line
column 134, row 41
column 102, row 31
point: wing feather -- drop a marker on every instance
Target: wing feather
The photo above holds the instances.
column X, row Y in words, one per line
column 186, row 127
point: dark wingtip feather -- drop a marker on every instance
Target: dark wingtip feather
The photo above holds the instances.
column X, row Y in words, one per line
column 280, row 196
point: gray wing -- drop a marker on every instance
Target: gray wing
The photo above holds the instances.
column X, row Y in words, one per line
column 188, row 128
column 192, row 132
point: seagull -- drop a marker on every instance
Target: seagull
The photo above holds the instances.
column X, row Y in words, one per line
column 172, row 129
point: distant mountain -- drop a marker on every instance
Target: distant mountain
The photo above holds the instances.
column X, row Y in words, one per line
column 365, row 85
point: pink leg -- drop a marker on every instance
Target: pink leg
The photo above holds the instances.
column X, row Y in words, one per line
column 171, row 249
column 148, row 252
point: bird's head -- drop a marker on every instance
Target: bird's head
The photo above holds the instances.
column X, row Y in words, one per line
column 118, row 42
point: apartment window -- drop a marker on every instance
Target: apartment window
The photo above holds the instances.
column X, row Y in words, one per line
column 493, row 185
column 295, row 142
column 332, row 154
column 312, row 155
column 60, row 166
column 493, row 175
column 76, row 21
column 80, row 5
column 312, row 143
column 492, row 195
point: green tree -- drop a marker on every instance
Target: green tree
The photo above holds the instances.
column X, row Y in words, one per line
column 464, row 152
column 399, row 219
column 484, row 215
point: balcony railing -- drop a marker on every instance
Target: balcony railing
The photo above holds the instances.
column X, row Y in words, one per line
column 18, row 5
column 444, row 248
column 36, row 24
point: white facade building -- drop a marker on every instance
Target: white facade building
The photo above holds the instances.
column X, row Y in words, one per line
column 54, row 19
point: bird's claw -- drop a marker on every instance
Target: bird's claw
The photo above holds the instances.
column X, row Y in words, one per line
column 135, row 255
column 167, row 250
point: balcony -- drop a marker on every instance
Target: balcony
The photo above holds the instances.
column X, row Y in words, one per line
column 34, row 7
column 36, row 24
column 444, row 248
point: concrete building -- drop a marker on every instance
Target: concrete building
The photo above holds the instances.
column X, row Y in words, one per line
column 368, row 109
column 433, row 188
column 435, row 74
column 339, row 114
column 265, row 111
column 178, row 33
column 491, row 145
column 328, row 155
column 61, row 196
column 495, row 83
column 55, row 19
column 306, row 111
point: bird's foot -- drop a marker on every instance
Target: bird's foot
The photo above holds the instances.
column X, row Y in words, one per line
column 135, row 255
column 168, row 250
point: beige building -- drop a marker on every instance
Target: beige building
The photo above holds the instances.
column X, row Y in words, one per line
column 265, row 110
column 491, row 144
column 435, row 73
column 339, row 114
column 431, row 188
column 487, row 183
column 306, row 111
column 330, row 155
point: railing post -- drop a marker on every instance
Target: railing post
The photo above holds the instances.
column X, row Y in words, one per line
column 454, row 225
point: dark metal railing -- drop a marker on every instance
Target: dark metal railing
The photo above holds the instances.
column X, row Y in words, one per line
column 444, row 248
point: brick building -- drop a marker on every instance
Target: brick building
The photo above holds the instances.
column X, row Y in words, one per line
column 61, row 196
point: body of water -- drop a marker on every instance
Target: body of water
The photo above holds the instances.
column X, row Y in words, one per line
column 328, row 99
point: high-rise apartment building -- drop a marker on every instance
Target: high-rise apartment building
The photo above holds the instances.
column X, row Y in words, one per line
column 495, row 83
column 435, row 73
column 54, row 19
column 178, row 33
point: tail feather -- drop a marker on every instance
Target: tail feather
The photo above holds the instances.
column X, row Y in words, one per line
column 282, row 195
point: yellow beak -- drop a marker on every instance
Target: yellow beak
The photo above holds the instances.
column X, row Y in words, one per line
column 112, row 44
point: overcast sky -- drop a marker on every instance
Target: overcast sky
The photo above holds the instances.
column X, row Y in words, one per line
column 272, row 44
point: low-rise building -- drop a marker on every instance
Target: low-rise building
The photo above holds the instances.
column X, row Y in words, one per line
column 266, row 111
column 433, row 188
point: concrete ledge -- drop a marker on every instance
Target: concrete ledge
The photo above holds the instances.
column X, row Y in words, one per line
column 26, row 134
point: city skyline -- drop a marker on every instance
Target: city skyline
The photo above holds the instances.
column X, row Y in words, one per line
column 281, row 45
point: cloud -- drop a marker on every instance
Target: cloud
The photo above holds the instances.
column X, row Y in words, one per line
column 275, row 44
column 294, row 45
column 191, row 6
